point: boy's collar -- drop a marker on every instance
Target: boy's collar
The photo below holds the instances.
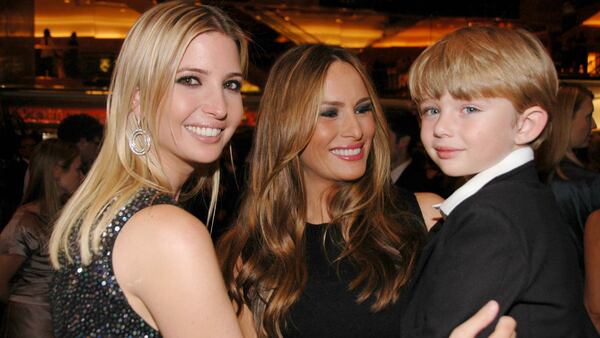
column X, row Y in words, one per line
column 515, row 159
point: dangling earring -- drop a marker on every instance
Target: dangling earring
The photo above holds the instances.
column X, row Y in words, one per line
column 139, row 148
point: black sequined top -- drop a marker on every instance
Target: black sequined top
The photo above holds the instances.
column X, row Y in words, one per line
column 87, row 301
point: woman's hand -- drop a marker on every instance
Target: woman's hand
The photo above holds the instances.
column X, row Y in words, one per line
column 504, row 329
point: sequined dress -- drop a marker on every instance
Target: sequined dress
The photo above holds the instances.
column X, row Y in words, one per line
column 87, row 301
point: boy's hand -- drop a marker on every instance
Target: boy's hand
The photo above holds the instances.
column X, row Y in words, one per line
column 504, row 329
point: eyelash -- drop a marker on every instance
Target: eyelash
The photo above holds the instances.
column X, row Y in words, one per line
column 364, row 109
column 473, row 109
column 359, row 110
column 237, row 85
column 193, row 81
column 188, row 80
column 428, row 111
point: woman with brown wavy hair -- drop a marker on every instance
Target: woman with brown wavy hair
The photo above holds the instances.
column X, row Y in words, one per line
column 322, row 246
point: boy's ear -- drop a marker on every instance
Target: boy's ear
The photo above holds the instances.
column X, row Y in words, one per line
column 530, row 124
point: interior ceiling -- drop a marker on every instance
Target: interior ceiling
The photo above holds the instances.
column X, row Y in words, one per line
column 321, row 21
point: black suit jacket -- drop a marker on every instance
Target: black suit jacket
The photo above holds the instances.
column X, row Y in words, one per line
column 506, row 242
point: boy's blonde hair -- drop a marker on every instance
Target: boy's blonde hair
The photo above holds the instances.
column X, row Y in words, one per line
column 475, row 62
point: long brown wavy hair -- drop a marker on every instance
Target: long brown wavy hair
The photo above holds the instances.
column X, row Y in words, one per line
column 263, row 255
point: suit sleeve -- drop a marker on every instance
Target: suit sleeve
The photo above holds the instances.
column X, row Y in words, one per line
column 483, row 257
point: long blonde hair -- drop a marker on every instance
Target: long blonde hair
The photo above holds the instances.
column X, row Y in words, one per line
column 147, row 64
column 262, row 256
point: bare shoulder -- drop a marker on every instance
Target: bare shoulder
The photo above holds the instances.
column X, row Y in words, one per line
column 163, row 247
column 426, row 202
column 165, row 231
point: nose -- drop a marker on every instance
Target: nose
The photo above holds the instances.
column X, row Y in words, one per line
column 594, row 125
column 352, row 126
column 443, row 125
column 214, row 105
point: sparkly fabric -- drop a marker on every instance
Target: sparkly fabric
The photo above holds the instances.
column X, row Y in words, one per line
column 87, row 301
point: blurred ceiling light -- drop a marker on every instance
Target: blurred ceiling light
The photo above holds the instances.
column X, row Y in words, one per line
column 97, row 19
column 593, row 21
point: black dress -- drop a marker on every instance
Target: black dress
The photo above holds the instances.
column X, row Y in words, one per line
column 326, row 308
column 87, row 301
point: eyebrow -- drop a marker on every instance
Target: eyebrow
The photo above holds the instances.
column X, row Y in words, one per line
column 203, row 71
column 338, row 103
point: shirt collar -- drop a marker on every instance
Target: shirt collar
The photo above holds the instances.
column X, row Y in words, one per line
column 515, row 159
column 397, row 172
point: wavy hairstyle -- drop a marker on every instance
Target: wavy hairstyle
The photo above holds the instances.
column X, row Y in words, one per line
column 499, row 62
column 147, row 65
column 263, row 255
column 548, row 156
column 42, row 186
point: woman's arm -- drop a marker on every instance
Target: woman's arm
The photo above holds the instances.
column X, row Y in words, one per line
column 9, row 265
column 426, row 201
column 591, row 245
column 165, row 262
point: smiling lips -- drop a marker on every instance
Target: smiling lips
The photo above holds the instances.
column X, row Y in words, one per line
column 209, row 134
column 352, row 152
column 446, row 153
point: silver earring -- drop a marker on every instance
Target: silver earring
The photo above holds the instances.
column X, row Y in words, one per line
column 139, row 148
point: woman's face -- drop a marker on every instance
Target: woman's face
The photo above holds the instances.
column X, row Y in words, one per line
column 582, row 125
column 205, row 104
column 339, row 148
column 70, row 178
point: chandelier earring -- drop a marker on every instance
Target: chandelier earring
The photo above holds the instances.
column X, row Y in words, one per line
column 139, row 141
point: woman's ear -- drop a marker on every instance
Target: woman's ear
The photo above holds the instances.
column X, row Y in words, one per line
column 135, row 104
column 530, row 124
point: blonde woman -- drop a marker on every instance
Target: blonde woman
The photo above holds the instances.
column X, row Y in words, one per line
column 322, row 247
column 130, row 261
column 25, row 271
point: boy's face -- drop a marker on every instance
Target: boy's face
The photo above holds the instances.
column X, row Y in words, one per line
column 466, row 137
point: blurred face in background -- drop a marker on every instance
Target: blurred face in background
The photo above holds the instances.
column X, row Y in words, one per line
column 582, row 125
column 69, row 178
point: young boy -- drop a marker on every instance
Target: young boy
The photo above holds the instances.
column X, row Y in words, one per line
column 485, row 95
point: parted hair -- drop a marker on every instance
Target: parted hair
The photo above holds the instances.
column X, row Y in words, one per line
column 486, row 61
column 146, row 66
column 263, row 255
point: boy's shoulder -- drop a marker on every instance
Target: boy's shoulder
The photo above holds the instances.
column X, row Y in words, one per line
column 516, row 200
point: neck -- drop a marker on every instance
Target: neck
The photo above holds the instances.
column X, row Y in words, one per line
column 316, row 203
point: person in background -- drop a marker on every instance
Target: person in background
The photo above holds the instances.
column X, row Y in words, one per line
column 576, row 189
column 594, row 152
column 130, row 260
column 48, row 55
column 592, row 265
column 86, row 132
column 322, row 245
column 483, row 110
column 25, row 271
column 408, row 168
column 71, row 57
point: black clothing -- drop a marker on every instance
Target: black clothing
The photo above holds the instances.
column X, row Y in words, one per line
column 87, row 301
column 326, row 308
column 505, row 242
